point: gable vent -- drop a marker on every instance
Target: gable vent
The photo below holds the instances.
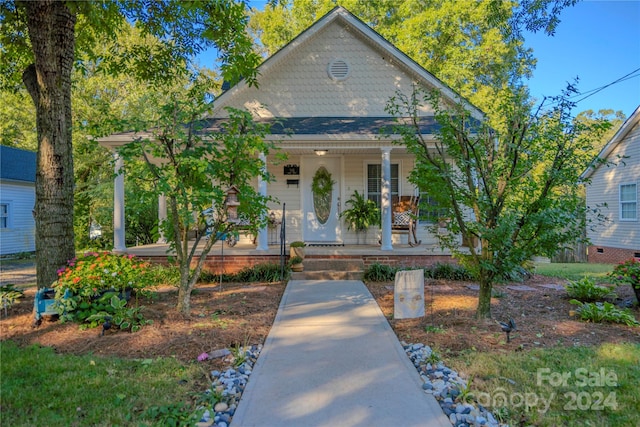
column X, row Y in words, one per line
column 339, row 69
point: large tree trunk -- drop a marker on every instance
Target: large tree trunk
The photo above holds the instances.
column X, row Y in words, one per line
column 48, row 80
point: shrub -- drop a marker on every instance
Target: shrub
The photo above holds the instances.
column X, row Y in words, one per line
column 604, row 312
column 380, row 273
column 447, row 271
column 87, row 284
column 628, row 272
column 9, row 295
column 267, row 272
column 586, row 290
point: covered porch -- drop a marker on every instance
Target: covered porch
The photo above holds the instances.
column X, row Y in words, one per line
column 226, row 259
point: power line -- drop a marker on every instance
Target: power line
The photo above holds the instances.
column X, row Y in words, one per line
column 594, row 91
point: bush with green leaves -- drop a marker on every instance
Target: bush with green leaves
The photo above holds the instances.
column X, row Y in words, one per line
column 586, row 290
column 87, row 284
column 604, row 312
column 119, row 314
column 447, row 271
column 9, row 295
column 628, row 272
column 380, row 273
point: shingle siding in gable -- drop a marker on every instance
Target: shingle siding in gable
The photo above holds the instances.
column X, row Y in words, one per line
column 604, row 189
column 299, row 86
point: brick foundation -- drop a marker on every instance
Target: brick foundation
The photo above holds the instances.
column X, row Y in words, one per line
column 234, row 263
column 608, row 255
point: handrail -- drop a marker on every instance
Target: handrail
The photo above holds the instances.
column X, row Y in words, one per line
column 283, row 234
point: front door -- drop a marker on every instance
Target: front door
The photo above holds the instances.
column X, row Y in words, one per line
column 321, row 199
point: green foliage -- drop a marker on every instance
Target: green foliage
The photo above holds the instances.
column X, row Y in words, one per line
column 573, row 271
column 604, row 312
column 266, row 272
column 586, row 290
column 173, row 415
column 380, row 273
column 295, row 260
column 88, row 389
column 447, row 271
column 297, row 244
column 117, row 312
column 362, row 212
column 95, row 285
column 627, row 272
column 521, row 184
column 9, row 295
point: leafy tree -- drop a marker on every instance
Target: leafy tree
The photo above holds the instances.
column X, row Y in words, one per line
column 509, row 195
column 194, row 168
column 39, row 42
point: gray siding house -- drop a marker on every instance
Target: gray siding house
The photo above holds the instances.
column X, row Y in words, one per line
column 615, row 187
column 17, row 199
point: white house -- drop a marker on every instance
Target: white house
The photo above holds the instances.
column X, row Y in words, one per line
column 328, row 89
column 17, row 200
column 615, row 188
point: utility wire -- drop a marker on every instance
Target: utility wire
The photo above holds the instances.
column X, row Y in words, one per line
column 620, row 80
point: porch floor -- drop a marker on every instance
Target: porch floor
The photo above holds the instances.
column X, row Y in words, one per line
column 245, row 248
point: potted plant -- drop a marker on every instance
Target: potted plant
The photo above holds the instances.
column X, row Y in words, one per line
column 361, row 214
column 297, row 249
column 296, row 263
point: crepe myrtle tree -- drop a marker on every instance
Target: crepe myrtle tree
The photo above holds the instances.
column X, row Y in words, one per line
column 507, row 196
column 194, row 169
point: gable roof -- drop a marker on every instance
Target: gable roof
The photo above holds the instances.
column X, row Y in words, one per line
column 620, row 136
column 390, row 53
column 17, row 164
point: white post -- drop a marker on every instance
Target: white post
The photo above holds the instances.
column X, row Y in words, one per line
column 162, row 215
column 386, row 200
column 263, row 234
column 119, row 244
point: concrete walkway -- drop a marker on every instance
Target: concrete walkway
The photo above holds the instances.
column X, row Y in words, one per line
column 331, row 359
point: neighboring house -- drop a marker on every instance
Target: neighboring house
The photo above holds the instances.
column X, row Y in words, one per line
column 17, row 200
column 327, row 91
column 615, row 188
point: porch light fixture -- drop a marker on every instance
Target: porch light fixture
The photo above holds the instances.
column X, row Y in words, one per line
column 320, row 152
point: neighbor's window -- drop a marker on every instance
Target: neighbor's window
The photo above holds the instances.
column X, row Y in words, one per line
column 628, row 202
column 374, row 182
column 4, row 215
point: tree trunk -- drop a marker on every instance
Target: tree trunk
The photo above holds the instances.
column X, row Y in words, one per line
column 48, row 80
column 484, row 301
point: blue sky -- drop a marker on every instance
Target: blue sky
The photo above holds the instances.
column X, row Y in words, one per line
column 596, row 41
column 599, row 42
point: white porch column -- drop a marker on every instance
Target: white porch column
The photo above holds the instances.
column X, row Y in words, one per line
column 386, row 200
column 263, row 234
column 118, row 206
column 162, row 215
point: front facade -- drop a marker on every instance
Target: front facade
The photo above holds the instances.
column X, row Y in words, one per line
column 615, row 189
column 326, row 93
column 17, row 200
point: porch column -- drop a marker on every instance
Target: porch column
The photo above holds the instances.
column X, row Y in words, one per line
column 162, row 215
column 385, row 202
column 119, row 244
column 263, row 234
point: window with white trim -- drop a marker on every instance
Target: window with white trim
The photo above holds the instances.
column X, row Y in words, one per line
column 628, row 202
column 4, row 215
column 374, row 182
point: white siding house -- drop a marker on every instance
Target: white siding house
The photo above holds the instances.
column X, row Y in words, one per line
column 325, row 95
column 615, row 188
column 17, row 199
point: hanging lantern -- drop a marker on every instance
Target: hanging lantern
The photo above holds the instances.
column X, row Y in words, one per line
column 232, row 203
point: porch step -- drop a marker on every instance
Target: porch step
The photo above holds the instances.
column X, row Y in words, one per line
column 330, row 269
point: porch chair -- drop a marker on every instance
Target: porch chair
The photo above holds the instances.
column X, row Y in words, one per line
column 404, row 219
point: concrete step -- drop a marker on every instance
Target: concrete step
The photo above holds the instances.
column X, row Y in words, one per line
column 326, row 275
column 333, row 264
column 330, row 269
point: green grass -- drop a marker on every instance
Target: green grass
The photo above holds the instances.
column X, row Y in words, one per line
column 574, row 271
column 40, row 387
column 514, row 385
